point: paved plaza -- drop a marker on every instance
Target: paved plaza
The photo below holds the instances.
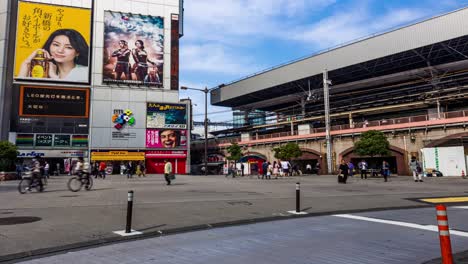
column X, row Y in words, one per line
column 59, row 219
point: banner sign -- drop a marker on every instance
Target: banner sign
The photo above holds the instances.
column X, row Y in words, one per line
column 166, row 138
column 52, row 153
column 133, row 49
column 117, row 155
column 162, row 115
column 25, row 140
column 167, row 154
column 44, row 140
column 174, row 52
column 79, row 140
column 53, row 101
column 62, row 140
column 50, row 38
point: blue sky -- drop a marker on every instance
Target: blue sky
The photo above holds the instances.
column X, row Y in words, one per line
column 225, row 40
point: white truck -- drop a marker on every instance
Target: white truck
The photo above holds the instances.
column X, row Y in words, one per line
column 451, row 161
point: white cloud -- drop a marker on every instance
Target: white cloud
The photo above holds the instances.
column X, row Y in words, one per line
column 216, row 58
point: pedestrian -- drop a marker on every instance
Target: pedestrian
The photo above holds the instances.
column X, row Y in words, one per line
column 308, row 168
column 242, row 169
column 270, row 171
column 344, row 170
column 102, row 169
column 57, row 166
column 46, row 170
column 351, row 169
column 363, row 168
column 167, row 171
column 415, row 167
column 233, row 170
column 385, row 170
column 138, row 170
column 317, row 167
column 264, row 169
column 129, row 170
column 143, row 168
column 275, row 169
column 19, row 171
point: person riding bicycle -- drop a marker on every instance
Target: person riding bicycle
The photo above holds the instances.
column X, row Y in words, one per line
column 36, row 173
column 82, row 168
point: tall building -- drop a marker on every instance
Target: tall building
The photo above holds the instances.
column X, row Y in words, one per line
column 105, row 88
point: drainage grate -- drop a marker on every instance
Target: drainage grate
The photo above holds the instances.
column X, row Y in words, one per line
column 18, row 220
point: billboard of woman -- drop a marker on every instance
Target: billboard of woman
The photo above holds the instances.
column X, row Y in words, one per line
column 133, row 49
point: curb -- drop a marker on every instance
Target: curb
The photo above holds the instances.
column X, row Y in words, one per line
column 46, row 252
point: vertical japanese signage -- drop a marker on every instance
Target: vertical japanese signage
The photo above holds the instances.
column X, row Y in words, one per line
column 174, row 52
column 50, row 38
column 133, row 49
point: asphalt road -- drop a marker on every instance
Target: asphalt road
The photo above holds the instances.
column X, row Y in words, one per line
column 37, row 223
column 334, row 239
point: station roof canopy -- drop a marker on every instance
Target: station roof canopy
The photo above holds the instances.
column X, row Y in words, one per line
column 390, row 68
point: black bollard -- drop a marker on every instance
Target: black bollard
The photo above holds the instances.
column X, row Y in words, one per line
column 298, row 197
column 128, row 228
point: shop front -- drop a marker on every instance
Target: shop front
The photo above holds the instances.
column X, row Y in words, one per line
column 155, row 161
column 60, row 161
column 115, row 158
column 252, row 163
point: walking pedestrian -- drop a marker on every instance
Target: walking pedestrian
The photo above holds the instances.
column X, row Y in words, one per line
column 363, row 168
column 242, row 169
column 46, row 170
column 276, row 169
column 351, row 169
column 129, row 170
column 344, row 170
column 416, row 168
column 167, row 171
column 385, row 170
column 264, row 169
column 102, row 169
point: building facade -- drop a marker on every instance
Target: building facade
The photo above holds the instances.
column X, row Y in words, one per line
column 113, row 101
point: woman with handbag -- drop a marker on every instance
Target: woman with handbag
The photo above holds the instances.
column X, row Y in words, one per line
column 344, row 170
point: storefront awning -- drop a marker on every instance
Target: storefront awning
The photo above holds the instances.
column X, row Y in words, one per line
column 117, row 155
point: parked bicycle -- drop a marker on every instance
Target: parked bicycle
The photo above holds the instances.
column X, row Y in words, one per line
column 78, row 181
column 29, row 181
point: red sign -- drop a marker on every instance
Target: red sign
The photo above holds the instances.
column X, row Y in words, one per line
column 170, row 154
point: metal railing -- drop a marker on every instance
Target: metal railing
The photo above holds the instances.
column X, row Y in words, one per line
column 375, row 123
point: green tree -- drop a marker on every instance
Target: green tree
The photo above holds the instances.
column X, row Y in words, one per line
column 372, row 143
column 8, row 154
column 288, row 151
column 235, row 152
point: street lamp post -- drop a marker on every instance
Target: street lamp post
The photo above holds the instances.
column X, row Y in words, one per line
column 206, row 121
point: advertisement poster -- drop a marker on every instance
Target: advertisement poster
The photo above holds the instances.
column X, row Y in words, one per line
column 51, row 45
column 166, row 138
column 133, row 49
column 161, row 115
column 53, row 101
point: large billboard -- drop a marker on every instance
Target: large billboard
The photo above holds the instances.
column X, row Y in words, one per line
column 163, row 115
column 52, row 43
column 53, row 101
column 133, row 49
column 166, row 138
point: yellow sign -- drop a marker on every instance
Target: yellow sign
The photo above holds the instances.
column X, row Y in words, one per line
column 446, row 200
column 117, row 155
column 48, row 37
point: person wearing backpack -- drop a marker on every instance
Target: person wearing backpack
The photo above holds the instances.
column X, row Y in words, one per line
column 415, row 167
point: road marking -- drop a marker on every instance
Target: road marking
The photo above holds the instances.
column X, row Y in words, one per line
column 398, row 223
column 446, row 200
column 459, row 207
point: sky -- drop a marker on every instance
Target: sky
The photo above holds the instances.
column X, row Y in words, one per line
column 226, row 40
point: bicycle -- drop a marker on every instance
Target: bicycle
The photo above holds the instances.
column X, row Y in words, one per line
column 76, row 182
column 29, row 181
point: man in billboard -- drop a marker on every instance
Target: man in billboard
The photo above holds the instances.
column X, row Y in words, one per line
column 169, row 138
column 64, row 57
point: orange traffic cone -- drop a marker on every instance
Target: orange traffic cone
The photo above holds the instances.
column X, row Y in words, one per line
column 463, row 174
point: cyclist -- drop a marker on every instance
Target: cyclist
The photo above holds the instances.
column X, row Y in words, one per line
column 82, row 169
column 36, row 175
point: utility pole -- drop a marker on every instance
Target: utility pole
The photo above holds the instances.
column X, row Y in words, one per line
column 326, row 102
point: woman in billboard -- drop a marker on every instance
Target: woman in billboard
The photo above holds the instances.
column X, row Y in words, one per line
column 123, row 57
column 140, row 56
column 65, row 54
